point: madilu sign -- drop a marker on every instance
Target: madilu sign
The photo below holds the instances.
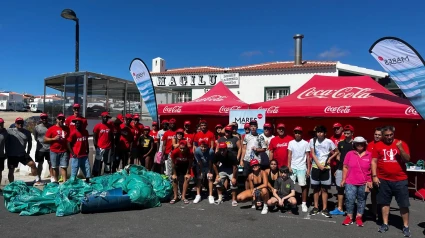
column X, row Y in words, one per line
column 197, row 80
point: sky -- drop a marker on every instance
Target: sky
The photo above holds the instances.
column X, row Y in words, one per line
column 36, row 42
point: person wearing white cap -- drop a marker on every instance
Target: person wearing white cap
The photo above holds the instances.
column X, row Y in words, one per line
column 356, row 179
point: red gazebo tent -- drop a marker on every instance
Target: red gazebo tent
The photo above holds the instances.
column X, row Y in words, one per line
column 349, row 96
column 218, row 101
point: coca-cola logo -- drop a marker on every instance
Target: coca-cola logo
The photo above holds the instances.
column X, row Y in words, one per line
column 337, row 109
column 411, row 111
column 224, row 109
column 260, row 116
column 347, row 92
column 174, row 109
column 271, row 109
column 213, row 98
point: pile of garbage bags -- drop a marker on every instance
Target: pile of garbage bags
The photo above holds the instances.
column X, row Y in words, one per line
column 133, row 186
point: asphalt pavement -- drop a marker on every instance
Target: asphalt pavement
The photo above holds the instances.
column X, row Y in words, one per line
column 202, row 220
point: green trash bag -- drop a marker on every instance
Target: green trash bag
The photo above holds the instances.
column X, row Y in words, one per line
column 141, row 191
column 70, row 195
column 135, row 169
column 28, row 201
column 161, row 186
column 108, row 182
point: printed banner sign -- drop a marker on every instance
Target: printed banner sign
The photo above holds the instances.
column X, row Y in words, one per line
column 143, row 80
column 243, row 116
column 405, row 66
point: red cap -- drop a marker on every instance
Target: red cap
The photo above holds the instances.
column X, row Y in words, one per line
column 44, row 115
column 337, row 125
column 202, row 122
column 280, row 125
column 246, row 125
column 253, row 162
column 164, row 122
column 154, row 123
column 60, row 115
column 298, row 128
column 218, row 125
column 76, row 105
column 105, row 114
column 172, row 120
column 222, row 145
column 180, row 130
column 136, row 116
column 202, row 142
column 349, row 128
column 267, row 125
column 228, row 128
column 183, row 142
column 147, row 128
column 120, row 117
column 187, row 123
column 1, row 120
column 128, row 115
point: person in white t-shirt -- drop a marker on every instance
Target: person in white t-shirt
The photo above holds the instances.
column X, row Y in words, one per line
column 159, row 147
column 267, row 136
column 299, row 163
column 320, row 176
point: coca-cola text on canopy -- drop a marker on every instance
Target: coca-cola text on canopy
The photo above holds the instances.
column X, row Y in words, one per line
column 213, row 98
column 411, row 111
column 172, row 109
column 271, row 109
column 224, row 109
column 337, row 109
column 347, row 92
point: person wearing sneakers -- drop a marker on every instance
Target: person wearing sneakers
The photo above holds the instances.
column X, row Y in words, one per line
column 389, row 158
column 299, row 163
column 146, row 145
column 257, row 190
column 103, row 138
column 278, row 147
column 76, row 113
column 3, row 138
column 167, row 146
column 283, row 192
column 357, row 180
column 42, row 151
column 18, row 147
column 181, row 161
column 320, row 177
column 226, row 168
column 377, row 137
column 57, row 136
column 204, row 170
column 78, row 145
column 159, row 158
column 344, row 147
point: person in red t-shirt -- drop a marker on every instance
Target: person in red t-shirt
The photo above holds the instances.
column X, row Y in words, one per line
column 57, row 136
column 116, row 131
column 205, row 134
column 182, row 159
column 389, row 158
column 179, row 137
column 78, row 145
column 154, row 134
column 103, row 140
column 188, row 134
column 137, row 129
column 278, row 147
column 167, row 145
column 76, row 110
column 247, row 128
column 377, row 137
column 126, row 141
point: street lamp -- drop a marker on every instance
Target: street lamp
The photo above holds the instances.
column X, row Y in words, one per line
column 70, row 15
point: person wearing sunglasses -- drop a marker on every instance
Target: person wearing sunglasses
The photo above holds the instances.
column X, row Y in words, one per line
column 389, row 158
column 344, row 147
column 76, row 113
column 57, row 136
column 356, row 180
column 42, row 152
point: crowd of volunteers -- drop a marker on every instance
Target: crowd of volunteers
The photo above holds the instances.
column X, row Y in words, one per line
column 271, row 163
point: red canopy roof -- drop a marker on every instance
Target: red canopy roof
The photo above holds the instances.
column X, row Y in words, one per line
column 218, row 101
column 350, row 96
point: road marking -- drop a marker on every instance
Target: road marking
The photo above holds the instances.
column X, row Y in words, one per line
column 307, row 218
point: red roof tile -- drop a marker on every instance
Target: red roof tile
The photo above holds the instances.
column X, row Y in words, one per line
column 279, row 65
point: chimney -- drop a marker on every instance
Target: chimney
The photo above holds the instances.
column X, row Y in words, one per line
column 298, row 49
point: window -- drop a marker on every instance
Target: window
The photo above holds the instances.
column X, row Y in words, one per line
column 183, row 96
column 276, row 93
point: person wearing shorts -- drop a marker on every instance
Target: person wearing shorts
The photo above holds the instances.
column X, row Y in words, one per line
column 146, row 146
column 18, row 147
column 225, row 165
column 389, row 158
column 3, row 138
column 78, row 145
column 181, row 161
column 204, row 170
column 42, row 152
column 320, row 177
column 299, row 163
column 57, row 136
column 103, row 139
column 284, row 191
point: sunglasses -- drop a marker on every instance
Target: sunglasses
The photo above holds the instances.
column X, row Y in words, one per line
column 337, row 128
column 297, row 132
column 347, row 133
column 43, row 118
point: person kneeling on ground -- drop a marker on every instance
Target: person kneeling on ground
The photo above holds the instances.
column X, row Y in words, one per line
column 226, row 167
column 284, row 191
column 181, row 159
column 257, row 190
column 78, row 146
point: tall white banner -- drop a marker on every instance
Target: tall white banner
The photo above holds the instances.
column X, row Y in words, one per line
column 243, row 116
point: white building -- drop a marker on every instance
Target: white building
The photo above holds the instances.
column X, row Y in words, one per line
column 251, row 83
column 11, row 96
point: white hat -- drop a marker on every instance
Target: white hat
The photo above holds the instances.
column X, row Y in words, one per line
column 360, row 139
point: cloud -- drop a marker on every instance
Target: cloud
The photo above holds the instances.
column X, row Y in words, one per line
column 249, row 54
column 333, row 53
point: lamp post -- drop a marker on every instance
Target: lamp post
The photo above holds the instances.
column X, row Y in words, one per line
column 70, row 15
